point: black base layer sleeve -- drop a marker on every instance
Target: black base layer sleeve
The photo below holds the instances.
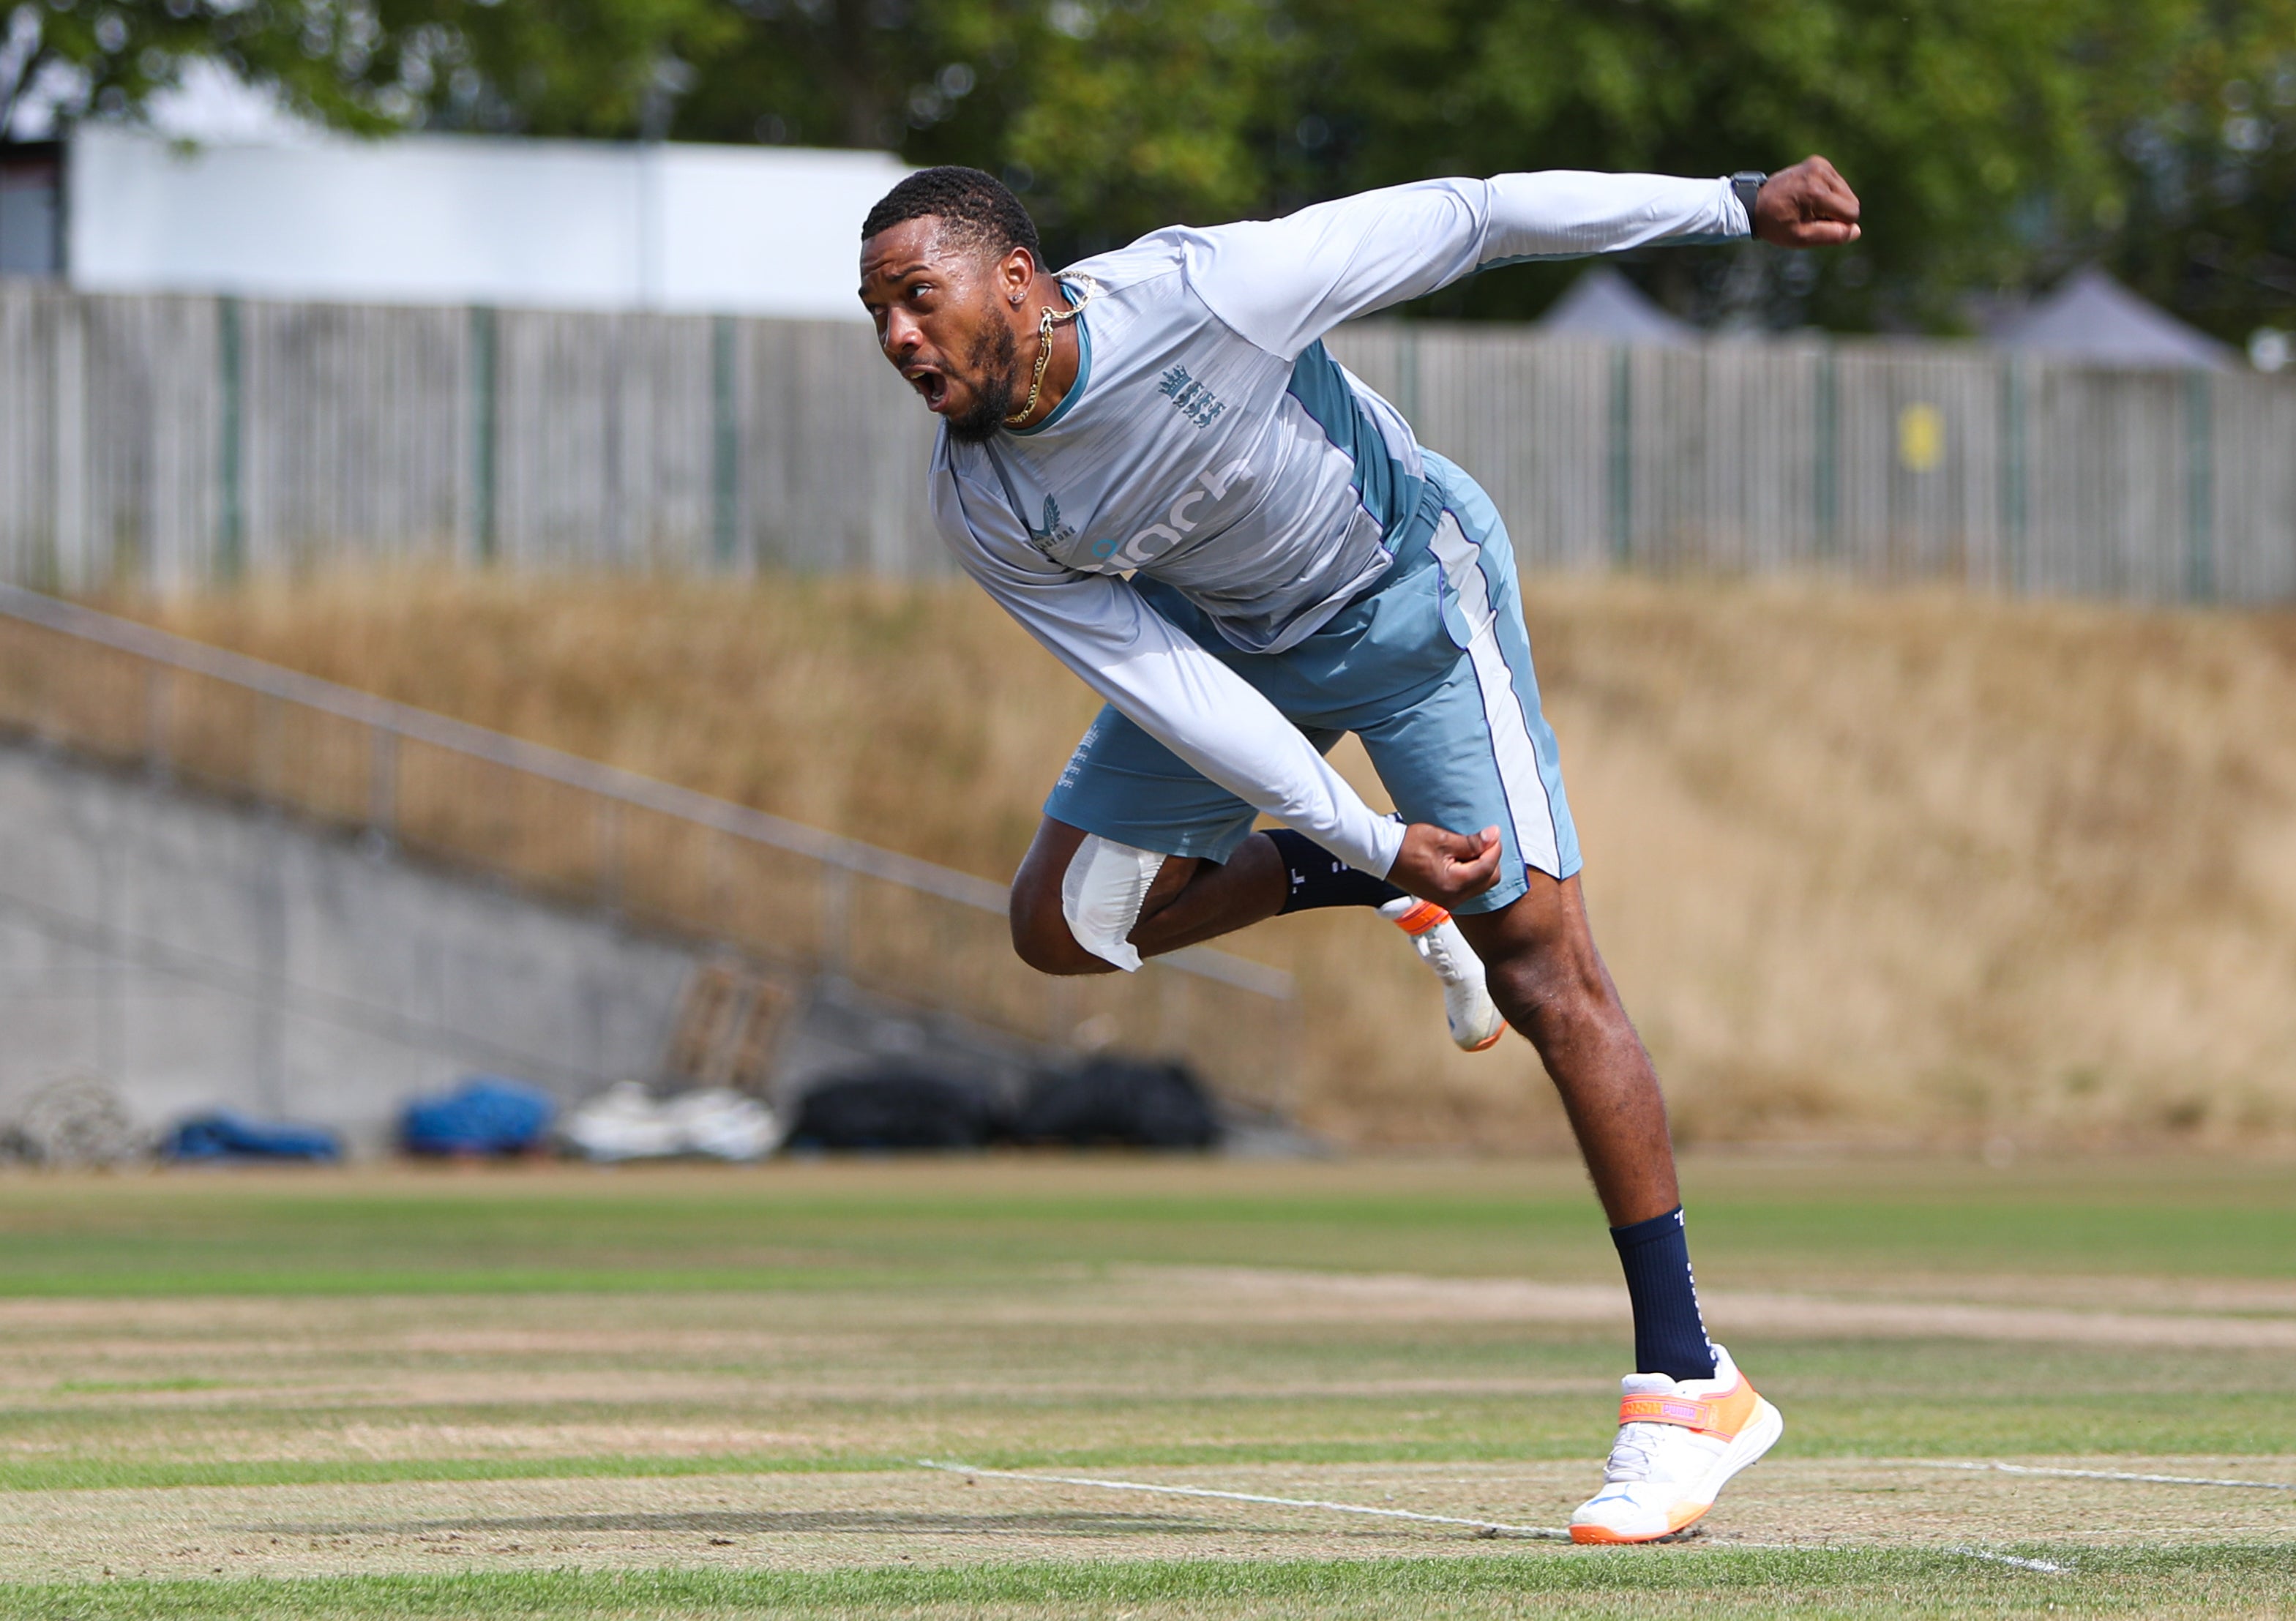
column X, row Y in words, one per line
column 1321, row 878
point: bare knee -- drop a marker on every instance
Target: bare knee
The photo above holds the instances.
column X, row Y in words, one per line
column 1041, row 936
column 1551, row 989
column 1041, row 940
column 1541, row 964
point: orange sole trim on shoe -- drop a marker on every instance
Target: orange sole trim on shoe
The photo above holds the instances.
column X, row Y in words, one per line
column 1420, row 919
column 1487, row 1045
column 1607, row 1537
column 1596, row 1533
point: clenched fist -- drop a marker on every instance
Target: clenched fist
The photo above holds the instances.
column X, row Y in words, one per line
column 1808, row 206
column 1443, row 867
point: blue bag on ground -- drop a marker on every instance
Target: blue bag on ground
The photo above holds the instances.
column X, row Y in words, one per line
column 485, row 1115
column 225, row 1135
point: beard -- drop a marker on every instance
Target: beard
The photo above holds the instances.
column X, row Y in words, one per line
column 995, row 363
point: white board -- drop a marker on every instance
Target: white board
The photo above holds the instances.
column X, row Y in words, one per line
column 459, row 219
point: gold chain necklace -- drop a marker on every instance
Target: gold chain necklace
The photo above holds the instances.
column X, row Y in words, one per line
column 1053, row 317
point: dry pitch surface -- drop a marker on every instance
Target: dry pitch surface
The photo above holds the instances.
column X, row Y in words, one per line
column 707, row 1392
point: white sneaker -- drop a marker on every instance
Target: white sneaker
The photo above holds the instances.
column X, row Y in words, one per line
column 1467, row 1005
column 1679, row 1442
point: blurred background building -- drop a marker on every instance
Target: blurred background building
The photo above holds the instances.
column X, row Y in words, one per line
column 2090, row 316
column 445, row 219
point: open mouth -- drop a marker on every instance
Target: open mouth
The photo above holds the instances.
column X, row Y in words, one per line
column 932, row 387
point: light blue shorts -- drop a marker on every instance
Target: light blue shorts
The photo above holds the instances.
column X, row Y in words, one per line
column 1430, row 668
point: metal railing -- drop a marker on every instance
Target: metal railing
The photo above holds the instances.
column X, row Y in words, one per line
column 579, row 831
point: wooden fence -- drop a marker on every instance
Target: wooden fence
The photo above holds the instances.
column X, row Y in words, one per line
column 1888, row 460
column 180, row 439
column 174, row 439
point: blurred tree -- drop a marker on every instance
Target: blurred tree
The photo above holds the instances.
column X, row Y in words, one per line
column 1949, row 117
column 569, row 66
column 1997, row 143
column 599, row 68
column 1115, row 116
column 892, row 74
column 76, row 57
column 2201, row 213
column 1149, row 113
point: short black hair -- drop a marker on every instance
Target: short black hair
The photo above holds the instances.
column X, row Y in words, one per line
column 973, row 205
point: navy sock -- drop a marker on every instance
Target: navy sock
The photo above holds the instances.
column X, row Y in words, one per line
column 1321, row 878
column 1670, row 1333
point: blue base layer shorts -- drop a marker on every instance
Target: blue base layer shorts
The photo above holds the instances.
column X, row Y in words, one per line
column 1430, row 668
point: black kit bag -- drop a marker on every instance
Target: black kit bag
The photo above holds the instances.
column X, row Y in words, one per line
column 890, row 1108
column 1120, row 1102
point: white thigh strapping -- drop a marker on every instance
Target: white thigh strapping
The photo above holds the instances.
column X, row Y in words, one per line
column 1101, row 894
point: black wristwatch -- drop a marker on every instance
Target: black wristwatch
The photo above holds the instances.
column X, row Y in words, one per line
column 1748, row 184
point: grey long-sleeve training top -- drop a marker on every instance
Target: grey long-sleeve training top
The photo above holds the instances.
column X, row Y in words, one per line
column 1209, row 442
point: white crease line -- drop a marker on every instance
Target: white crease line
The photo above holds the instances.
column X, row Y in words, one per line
column 1488, row 1527
column 2046, row 1567
column 2140, row 1531
column 2085, row 1474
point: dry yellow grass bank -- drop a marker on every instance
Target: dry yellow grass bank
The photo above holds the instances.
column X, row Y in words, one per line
column 1868, row 867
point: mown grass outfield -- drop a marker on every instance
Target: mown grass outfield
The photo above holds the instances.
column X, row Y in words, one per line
column 567, row 1393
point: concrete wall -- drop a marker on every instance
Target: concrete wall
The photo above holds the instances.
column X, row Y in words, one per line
column 197, row 953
